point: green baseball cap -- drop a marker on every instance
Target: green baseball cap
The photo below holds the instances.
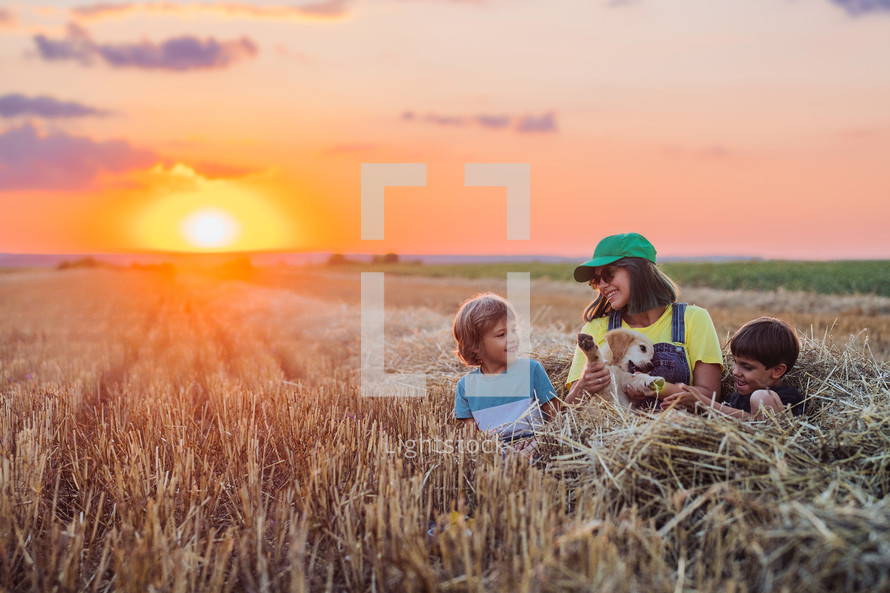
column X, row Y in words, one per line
column 613, row 248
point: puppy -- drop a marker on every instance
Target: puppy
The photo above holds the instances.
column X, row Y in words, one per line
column 625, row 350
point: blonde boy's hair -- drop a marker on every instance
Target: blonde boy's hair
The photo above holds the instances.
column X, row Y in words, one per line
column 476, row 316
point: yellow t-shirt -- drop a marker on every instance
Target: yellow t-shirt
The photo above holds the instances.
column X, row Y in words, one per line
column 702, row 344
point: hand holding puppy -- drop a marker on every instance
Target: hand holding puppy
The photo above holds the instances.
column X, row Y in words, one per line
column 595, row 377
column 642, row 386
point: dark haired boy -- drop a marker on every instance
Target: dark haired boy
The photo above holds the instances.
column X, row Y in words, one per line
column 763, row 351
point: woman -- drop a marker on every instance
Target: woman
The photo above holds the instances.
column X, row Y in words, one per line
column 632, row 292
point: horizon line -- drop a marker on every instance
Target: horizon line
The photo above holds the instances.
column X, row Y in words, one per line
column 7, row 258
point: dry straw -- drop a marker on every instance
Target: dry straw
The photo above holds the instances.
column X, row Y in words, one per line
column 182, row 434
column 775, row 503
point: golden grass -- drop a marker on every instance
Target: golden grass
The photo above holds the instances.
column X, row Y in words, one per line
column 181, row 433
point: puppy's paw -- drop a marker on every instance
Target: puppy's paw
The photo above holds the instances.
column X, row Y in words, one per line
column 588, row 347
column 646, row 384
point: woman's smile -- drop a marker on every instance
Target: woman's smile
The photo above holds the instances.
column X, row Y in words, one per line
column 617, row 290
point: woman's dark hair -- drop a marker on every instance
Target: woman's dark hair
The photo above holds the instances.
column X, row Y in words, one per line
column 649, row 288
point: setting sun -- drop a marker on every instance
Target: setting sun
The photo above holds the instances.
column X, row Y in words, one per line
column 191, row 213
column 210, row 228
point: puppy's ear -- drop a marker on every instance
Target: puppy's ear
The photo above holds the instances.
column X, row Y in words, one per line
column 619, row 341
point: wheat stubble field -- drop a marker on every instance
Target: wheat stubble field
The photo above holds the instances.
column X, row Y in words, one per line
column 179, row 432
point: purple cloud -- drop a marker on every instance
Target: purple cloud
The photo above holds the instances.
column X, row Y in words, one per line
column 14, row 105
column 77, row 45
column 526, row 124
column 493, row 121
column 180, row 53
column 29, row 161
column 860, row 7
column 532, row 124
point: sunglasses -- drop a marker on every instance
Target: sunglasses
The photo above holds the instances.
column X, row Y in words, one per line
column 605, row 275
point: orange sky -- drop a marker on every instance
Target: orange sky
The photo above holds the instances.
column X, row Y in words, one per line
column 759, row 128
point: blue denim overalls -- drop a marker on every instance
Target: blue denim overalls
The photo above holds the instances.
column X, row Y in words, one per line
column 669, row 360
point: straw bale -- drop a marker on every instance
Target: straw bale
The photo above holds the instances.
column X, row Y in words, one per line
column 787, row 501
column 704, row 499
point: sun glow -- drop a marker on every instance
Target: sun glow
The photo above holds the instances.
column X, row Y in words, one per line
column 196, row 214
column 210, row 228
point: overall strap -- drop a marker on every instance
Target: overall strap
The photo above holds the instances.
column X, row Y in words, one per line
column 678, row 326
column 614, row 320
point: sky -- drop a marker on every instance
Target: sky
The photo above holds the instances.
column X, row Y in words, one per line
column 713, row 127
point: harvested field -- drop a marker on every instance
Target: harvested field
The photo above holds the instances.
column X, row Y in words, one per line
column 185, row 433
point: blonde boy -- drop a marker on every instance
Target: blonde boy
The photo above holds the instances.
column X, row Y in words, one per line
column 503, row 394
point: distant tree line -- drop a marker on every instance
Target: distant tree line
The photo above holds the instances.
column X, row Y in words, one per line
column 84, row 262
column 338, row 259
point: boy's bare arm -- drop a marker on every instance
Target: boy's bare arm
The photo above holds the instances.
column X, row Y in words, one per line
column 691, row 398
column 763, row 399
